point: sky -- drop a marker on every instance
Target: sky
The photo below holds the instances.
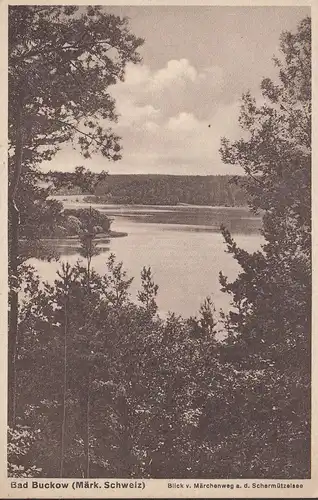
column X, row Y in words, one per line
column 176, row 105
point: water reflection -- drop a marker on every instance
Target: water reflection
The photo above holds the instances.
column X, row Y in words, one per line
column 182, row 245
column 68, row 249
column 71, row 246
column 236, row 219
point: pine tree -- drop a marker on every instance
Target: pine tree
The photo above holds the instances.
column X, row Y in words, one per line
column 269, row 326
column 62, row 60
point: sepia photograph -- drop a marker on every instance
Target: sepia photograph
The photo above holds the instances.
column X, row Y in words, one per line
column 159, row 246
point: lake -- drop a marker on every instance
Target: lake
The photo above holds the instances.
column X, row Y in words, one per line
column 182, row 245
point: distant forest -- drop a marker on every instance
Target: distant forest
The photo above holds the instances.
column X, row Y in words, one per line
column 214, row 190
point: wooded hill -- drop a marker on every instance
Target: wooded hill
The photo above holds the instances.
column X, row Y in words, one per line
column 215, row 190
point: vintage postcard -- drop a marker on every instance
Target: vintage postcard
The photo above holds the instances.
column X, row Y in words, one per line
column 157, row 253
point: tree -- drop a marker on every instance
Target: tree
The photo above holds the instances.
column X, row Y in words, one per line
column 81, row 177
column 147, row 296
column 88, row 250
column 67, row 276
column 269, row 328
column 159, row 390
column 62, row 61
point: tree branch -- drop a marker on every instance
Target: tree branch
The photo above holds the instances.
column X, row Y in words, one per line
column 56, row 49
column 89, row 136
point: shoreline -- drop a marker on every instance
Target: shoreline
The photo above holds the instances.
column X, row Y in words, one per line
column 75, row 239
column 71, row 200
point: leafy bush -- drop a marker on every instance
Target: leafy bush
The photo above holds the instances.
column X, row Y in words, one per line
column 20, row 441
column 73, row 225
column 158, row 389
column 90, row 218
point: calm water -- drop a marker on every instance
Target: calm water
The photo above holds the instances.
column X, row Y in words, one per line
column 182, row 245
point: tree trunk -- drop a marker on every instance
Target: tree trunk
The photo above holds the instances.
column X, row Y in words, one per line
column 87, row 381
column 87, row 422
column 63, row 427
column 13, row 313
column 13, row 269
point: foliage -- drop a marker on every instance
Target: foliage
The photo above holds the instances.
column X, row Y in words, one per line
column 81, row 178
column 20, row 441
column 89, row 218
column 88, row 248
column 72, row 225
column 147, row 296
column 158, row 389
column 214, row 190
column 62, row 61
column 272, row 293
column 57, row 56
column 270, row 324
column 166, row 397
column 207, row 324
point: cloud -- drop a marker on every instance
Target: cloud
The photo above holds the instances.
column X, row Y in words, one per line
column 185, row 122
column 182, row 143
column 171, row 120
column 132, row 114
column 175, row 72
column 178, row 78
column 213, row 74
column 135, row 75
